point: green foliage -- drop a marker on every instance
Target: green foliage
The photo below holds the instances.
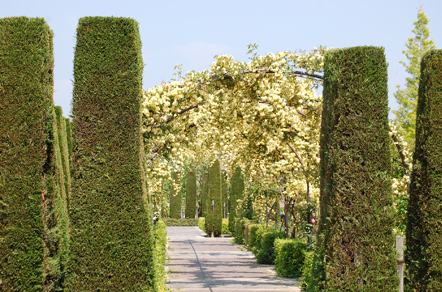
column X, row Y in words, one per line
column 64, row 149
column 160, row 250
column 214, row 212
column 225, row 226
column 225, row 195
column 356, row 246
column 424, row 235
column 266, row 251
column 304, row 225
column 29, row 193
column 407, row 97
column 202, row 223
column 243, row 227
column 204, row 190
column 175, row 199
column 240, row 232
column 254, row 241
column 236, row 196
column 191, row 195
column 112, row 242
column 307, row 271
column 69, row 138
column 180, row 222
column 57, row 221
column 289, row 257
column 247, row 207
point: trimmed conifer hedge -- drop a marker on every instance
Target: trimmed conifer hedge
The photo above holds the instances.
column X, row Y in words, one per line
column 204, row 185
column 214, row 212
column 424, row 234
column 64, row 149
column 160, row 254
column 356, row 248
column 56, row 249
column 68, row 123
column 225, row 195
column 236, row 193
column 191, row 195
column 111, row 236
column 28, row 186
column 266, row 253
column 175, row 199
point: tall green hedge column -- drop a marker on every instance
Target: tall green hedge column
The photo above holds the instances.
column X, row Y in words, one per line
column 225, row 195
column 111, row 246
column 356, row 242
column 191, row 195
column 26, row 150
column 64, row 148
column 236, row 193
column 175, row 199
column 424, row 232
column 214, row 208
column 204, row 190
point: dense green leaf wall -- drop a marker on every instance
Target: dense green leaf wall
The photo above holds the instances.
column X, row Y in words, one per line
column 356, row 248
column 214, row 213
column 27, row 184
column 424, row 228
column 111, row 225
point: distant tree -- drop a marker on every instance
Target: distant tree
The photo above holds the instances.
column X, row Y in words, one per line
column 407, row 97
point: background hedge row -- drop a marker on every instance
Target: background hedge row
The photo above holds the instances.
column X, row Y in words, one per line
column 356, row 249
column 112, row 240
column 424, row 228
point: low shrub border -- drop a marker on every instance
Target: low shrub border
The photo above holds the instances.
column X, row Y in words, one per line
column 253, row 242
column 180, row 222
column 202, row 223
column 240, row 230
column 307, row 271
column 160, row 251
column 289, row 257
column 225, row 225
column 266, row 252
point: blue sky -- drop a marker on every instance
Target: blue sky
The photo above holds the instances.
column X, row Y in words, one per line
column 191, row 32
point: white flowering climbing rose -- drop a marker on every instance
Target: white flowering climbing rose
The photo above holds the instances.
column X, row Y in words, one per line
column 262, row 115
